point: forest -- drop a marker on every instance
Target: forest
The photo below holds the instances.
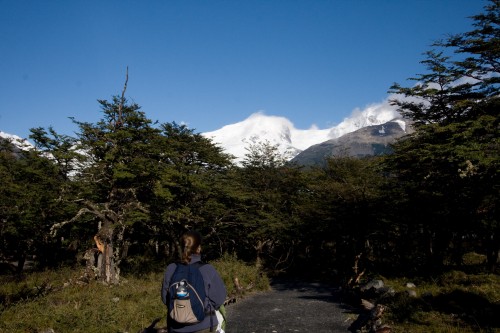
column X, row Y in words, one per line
column 126, row 186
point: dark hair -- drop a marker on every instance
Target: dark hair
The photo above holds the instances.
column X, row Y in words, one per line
column 190, row 242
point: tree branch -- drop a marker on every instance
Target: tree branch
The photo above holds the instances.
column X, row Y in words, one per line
column 55, row 227
column 122, row 100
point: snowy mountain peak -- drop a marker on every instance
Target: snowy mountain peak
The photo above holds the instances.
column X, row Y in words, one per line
column 374, row 114
column 10, row 136
column 17, row 141
column 259, row 127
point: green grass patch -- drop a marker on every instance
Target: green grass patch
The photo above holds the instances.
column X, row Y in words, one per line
column 249, row 277
column 452, row 302
column 45, row 300
column 94, row 307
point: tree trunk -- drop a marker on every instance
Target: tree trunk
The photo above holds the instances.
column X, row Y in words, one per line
column 107, row 268
column 259, row 249
column 493, row 253
column 21, row 259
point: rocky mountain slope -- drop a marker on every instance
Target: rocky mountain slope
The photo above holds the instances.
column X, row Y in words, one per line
column 366, row 141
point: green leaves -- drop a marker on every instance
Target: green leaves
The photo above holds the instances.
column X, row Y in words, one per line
column 449, row 166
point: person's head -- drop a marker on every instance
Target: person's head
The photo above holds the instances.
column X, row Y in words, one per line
column 191, row 244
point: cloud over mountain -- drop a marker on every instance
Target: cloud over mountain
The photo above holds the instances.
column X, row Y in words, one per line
column 259, row 127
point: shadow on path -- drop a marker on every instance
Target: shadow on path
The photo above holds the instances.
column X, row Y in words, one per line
column 289, row 307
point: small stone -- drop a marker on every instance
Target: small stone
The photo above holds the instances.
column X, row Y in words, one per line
column 48, row 330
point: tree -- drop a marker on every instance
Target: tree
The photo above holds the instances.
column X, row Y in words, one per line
column 115, row 180
column 458, row 86
column 30, row 199
column 134, row 183
column 186, row 192
column 267, row 207
column 343, row 214
column 62, row 150
column 450, row 164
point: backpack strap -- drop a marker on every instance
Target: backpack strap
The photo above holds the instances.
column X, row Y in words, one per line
column 210, row 312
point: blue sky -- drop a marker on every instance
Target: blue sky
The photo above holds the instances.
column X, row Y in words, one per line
column 211, row 63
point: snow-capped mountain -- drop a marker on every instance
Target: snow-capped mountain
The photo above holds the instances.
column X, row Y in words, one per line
column 16, row 140
column 236, row 138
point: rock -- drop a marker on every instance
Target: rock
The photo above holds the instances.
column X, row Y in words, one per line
column 375, row 284
column 387, row 291
column 383, row 329
column 48, row 330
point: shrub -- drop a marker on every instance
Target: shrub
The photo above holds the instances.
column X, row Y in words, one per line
column 249, row 277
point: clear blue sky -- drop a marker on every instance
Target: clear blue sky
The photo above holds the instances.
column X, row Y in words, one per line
column 209, row 63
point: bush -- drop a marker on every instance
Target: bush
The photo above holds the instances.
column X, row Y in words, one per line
column 249, row 277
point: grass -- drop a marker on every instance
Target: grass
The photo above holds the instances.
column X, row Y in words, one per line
column 452, row 302
column 230, row 267
column 94, row 307
column 42, row 301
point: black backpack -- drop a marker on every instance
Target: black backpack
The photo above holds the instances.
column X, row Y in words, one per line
column 187, row 294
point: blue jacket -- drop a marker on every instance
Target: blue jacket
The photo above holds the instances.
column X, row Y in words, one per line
column 214, row 289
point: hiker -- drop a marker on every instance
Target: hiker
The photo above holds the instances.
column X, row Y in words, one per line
column 212, row 293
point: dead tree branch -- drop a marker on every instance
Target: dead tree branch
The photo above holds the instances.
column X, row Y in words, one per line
column 122, row 101
column 57, row 226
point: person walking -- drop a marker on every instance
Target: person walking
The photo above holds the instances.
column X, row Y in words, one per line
column 214, row 288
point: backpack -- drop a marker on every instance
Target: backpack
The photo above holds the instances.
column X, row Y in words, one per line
column 187, row 294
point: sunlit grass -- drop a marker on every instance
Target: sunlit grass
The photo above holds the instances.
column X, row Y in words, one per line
column 452, row 302
column 89, row 308
column 230, row 267
column 46, row 300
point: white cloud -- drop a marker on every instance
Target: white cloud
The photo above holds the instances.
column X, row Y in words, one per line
column 372, row 114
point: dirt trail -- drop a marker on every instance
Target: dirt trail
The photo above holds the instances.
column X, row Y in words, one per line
column 289, row 307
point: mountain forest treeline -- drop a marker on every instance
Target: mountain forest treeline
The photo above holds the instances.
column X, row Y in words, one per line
column 126, row 186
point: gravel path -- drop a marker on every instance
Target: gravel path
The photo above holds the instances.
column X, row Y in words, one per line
column 289, row 307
